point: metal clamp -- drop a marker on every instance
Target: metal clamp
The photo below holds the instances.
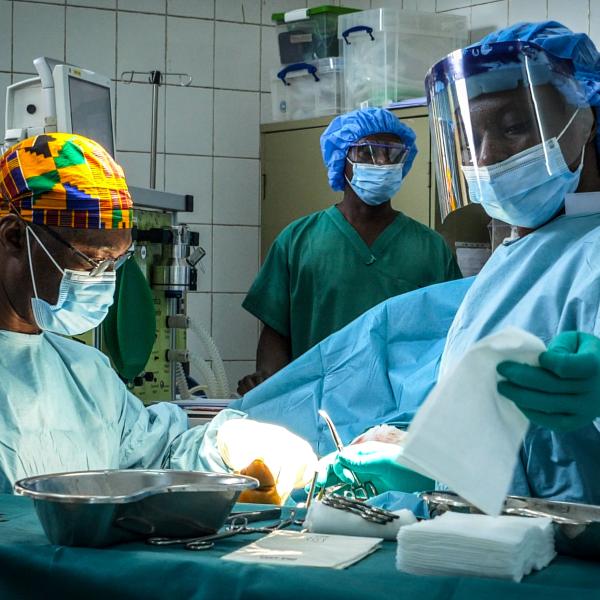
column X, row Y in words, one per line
column 373, row 514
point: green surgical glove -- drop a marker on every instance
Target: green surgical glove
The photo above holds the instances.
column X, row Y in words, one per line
column 563, row 393
column 376, row 462
column 327, row 476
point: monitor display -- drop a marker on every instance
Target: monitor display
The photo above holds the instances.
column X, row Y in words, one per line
column 91, row 111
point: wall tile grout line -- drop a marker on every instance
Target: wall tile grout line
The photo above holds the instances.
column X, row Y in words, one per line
column 260, row 120
column 65, row 38
column 212, row 194
column 117, row 74
column 164, row 111
column 12, row 41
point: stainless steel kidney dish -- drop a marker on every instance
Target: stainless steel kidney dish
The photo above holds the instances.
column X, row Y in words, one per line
column 99, row 508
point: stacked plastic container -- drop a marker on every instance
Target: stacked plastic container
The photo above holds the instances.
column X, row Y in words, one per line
column 387, row 52
column 309, row 82
column 306, row 90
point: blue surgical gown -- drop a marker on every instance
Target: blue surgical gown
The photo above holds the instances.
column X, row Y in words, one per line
column 545, row 283
column 63, row 408
column 382, row 366
column 377, row 369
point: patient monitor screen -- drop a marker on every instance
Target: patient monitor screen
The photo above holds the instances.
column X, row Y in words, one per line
column 90, row 111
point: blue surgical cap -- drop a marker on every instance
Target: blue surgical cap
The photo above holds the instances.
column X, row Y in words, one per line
column 560, row 41
column 347, row 129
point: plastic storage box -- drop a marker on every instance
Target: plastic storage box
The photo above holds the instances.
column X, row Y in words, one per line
column 306, row 90
column 308, row 33
column 387, row 52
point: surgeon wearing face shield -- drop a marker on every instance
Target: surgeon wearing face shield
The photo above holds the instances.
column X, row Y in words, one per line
column 65, row 229
column 326, row 269
column 514, row 128
column 523, row 148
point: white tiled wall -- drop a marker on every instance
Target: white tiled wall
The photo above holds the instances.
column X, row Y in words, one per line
column 579, row 15
column 209, row 133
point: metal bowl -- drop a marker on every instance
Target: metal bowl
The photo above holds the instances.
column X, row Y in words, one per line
column 576, row 526
column 99, row 508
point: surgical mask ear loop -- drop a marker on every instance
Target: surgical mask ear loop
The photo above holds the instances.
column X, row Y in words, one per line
column 28, row 232
column 563, row 131
column 346, row 176
column 568, row 124
column 567, row 127
column 34, row 234
column 582, row 156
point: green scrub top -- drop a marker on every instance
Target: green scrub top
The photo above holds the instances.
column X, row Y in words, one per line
column 319, row 274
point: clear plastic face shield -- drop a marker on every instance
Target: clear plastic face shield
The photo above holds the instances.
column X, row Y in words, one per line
column 506, row 119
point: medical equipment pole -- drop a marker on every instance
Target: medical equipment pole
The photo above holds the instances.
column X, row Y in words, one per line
column 177, row 274
column 155, row 80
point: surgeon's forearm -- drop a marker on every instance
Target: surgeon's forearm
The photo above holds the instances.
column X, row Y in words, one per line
column 274, row 351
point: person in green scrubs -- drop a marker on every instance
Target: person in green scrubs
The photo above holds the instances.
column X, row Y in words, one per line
column 326, row 269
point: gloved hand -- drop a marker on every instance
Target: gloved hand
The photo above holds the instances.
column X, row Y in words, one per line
column 563, row 393
column 374, row 462
column 289, row 459
column 327, row 476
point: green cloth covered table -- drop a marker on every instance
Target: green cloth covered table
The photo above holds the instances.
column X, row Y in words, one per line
column 31, row 567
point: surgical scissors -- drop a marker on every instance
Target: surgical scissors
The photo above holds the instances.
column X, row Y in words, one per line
column 237, row 526
column 209, row 541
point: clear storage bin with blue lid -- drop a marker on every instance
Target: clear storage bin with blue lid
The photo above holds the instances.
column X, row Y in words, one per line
column 308, row 89
column 387, row 52
column 308, row 33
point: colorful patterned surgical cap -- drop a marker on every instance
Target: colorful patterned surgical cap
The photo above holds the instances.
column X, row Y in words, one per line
column 64, row 180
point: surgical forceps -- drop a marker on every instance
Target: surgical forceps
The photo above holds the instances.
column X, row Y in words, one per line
column 372, row 514
column 359, row 490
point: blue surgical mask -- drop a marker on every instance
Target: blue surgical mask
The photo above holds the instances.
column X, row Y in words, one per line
column 527, row 189
column 375, row 184
column 83, row 301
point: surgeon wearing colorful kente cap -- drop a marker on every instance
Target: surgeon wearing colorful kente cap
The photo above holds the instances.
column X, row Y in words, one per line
column 329, row 267
column 514, row 121
column 65, row 228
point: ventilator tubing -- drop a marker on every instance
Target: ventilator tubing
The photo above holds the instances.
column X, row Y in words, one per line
column 215, row 378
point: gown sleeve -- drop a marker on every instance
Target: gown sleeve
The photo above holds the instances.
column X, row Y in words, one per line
column 158, row 437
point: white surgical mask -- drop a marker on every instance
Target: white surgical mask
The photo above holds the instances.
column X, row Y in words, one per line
column 376, row 184
column 83, row 301
column 528, row 188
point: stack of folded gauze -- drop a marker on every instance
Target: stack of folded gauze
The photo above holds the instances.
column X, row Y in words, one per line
column 477, row 545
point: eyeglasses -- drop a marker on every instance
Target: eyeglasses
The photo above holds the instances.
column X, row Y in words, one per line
column 377, row 154
column 98, row 266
